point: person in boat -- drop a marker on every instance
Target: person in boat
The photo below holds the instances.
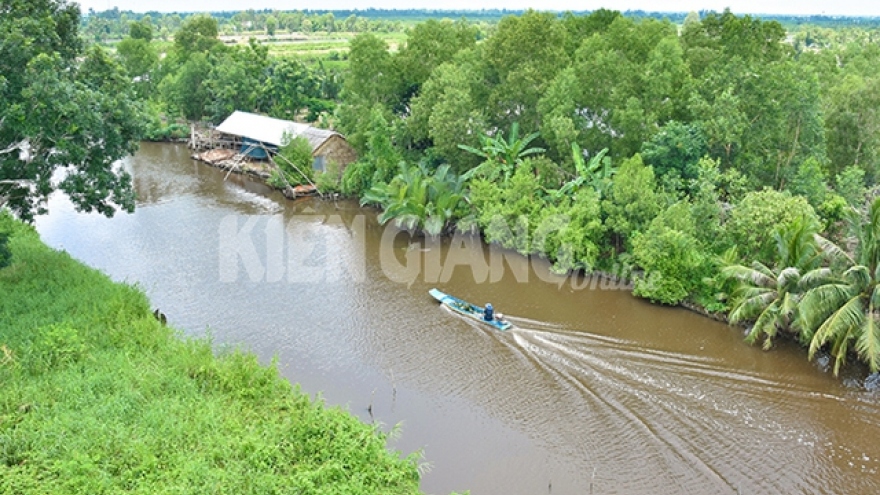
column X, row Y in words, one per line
column 489, row 313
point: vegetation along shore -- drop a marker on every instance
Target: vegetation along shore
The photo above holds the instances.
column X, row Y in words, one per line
column 730, row 161
column 99, row 396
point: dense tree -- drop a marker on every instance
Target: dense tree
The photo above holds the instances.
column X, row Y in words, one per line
column 141, row 30
column 761, row 212
column 271, row 25
column 852, row 118
column 446, row 115
column 371, row 80
column 289, row 88
column 186, row 91
column 428, row 45
column 198, row 34
column 58, row 113
column 237, row 80
column 522, row 57
column 633, row 200
column 676, row 151
column 673, row 260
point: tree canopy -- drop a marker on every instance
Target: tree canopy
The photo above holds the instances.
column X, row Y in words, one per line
column 66, row 115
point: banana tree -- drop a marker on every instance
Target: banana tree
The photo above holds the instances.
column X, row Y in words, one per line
column 597, row 173
column 501, row 156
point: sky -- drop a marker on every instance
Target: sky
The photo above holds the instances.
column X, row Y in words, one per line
column 802, row 7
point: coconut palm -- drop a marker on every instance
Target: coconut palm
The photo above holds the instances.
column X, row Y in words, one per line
column 842, row 314
column 771, row 297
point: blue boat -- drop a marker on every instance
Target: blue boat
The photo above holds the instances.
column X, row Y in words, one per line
column 467, row 309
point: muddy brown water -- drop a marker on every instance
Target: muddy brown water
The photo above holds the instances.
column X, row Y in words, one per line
column 594, row 391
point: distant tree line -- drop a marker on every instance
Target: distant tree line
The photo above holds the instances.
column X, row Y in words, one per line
column 676, row 152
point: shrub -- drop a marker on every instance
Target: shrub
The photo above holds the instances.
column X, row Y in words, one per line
column 295, row 160
column 760, row 213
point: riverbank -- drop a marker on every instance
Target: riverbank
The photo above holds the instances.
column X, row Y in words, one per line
column 99, row 396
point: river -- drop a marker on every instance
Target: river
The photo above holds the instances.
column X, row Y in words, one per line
column 594, row 391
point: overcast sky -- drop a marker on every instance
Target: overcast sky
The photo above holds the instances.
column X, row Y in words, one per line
column 838, row 7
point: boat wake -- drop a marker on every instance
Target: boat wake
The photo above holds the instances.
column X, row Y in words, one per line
column 704, row 424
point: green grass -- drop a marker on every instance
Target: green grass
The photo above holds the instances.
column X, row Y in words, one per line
column 96, row 396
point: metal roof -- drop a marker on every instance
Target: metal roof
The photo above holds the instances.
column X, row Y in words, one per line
column 270, row 130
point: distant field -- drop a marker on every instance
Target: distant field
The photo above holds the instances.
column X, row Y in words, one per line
column 312, row 45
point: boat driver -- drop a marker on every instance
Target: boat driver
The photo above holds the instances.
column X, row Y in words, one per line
column 489, row 313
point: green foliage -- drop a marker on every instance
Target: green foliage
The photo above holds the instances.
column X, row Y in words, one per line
column 851, row 185
column 630, row 80
column 852, row 122
column 633, row 200
column 357, row 178
column 330, row 180
column 236, row 80
column 570, row 232
column 771, row 297
column 676, row 150
column 58, row 112
column 289, row 88
column 428, row 45
column 759, row 213
column 197, row 34
column 141, row 410
column 5, row 253
column 419, row 199
column 141, row 30
column 522, row 57
column 673, row 260
column 501, row 156
column 380, row 162
column 810, row 181
column 840, row 315
column 295, row 160
column 508, row 214
column 186, row 91
column 597, row 173
column 139, row 58
column 445, row 114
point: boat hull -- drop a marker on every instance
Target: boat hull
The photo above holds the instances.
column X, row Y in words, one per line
column 467, row 309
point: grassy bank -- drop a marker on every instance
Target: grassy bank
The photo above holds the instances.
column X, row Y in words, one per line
column 96, row 396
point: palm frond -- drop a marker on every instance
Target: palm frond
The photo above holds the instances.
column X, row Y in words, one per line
column 840, row 349
column 839, row 326
column 819, row 303
column 815, row 278
column 750, row 306
column 750, row 275
column 765, row 326
column 859, row 276
column 868, row 342
column 788, row 277
column 832, row 250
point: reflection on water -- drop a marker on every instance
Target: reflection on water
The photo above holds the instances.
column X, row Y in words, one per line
column 592, row 392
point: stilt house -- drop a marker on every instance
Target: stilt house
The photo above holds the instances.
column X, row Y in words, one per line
column 256, row 135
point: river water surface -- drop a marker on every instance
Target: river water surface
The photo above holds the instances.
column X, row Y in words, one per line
column 594, row 391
